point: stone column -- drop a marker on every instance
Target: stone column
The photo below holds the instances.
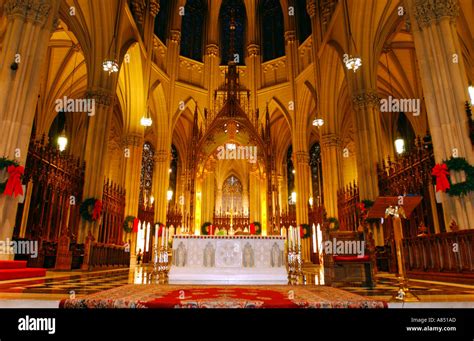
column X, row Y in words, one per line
column 445, row 85
column 28, row 30
column 211, row 69
column 245, row 200
column 331, row 158
column 253, row 68
column 161, row 179
column 366, row 105
column 219, row 199
column 133, row 150
column 96, row 154
column 255, row 196
column 302, row 185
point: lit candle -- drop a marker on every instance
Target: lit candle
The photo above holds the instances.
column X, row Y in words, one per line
column 298, row 234
column 163, row 236
column 167, row 236
column 290, row 237
column 157, row 228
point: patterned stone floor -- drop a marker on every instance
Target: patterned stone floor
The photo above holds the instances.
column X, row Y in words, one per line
column 60, row 285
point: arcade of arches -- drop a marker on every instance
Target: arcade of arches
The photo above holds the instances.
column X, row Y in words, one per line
column 233, row 112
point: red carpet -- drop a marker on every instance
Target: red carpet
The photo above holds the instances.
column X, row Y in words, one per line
column 10, row 269
column 177, row 296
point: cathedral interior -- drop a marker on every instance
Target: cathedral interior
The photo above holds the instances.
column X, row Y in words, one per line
column 125, row 120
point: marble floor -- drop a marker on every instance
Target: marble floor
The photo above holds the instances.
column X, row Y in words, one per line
column 46, row 292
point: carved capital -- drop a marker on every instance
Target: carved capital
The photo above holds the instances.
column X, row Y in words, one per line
column 101, row 97
column 161, row 155
column 132, row 140
column 290, row 36
column 253, row 50
column 175, row 36
column 154, row 7
column 302, row 157
column 429, row 11
column 36, row 11
column 366, row 98
column 311, row 7
column 212, row 50
column 138, row 9
column 330, row 140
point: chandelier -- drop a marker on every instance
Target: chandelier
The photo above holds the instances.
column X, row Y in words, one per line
column 110, row 66
column 353, row 63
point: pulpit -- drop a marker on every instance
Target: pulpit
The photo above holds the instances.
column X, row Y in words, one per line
column 240, row 259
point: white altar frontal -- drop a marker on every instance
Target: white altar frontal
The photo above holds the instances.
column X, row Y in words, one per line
column 228, row 260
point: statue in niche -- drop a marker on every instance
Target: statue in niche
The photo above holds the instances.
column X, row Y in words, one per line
column 276, row 256
column 209, row 256
column 248, row 259
column 180, row 255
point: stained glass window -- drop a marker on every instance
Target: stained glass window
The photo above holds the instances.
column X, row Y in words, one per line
column 290, row 173
column 146, row 176
column 273, row 41
column 224, row 19
column 316, row 172
column 303, row 21
column 173, row 170
column 192, row 29
column 162, row 20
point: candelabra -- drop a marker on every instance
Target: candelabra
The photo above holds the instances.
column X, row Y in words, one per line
column 160, row 265
column 295, row 264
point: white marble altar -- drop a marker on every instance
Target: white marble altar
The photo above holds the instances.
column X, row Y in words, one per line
column 228, row 260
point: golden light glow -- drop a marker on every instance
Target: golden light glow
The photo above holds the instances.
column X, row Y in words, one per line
column 400, row 145
column 62, row 142
column 471, row 93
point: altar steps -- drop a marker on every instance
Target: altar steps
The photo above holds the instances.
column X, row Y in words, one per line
column 16, row 269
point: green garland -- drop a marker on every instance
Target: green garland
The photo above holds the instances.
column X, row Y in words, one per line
column 128, row 224
column 306, row 230
column 86, row 208
column 203, row 228
column 258, row 227
column 5, row 163
column 463, row 188
column 335, row 221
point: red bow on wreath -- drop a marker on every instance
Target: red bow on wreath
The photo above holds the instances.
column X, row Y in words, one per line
column 301, row 231
column 252, row 229
column 14, row 187
column 135, row 225
column 441, row 173
column 97, row 210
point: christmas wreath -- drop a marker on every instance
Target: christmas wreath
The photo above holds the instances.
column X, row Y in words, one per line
column 128, row 223
column 363, row 208
column 258, row 227
column 204, row 226
column 11, row 174
column 444, row 182
column 305, row 231
column 334, row 221
column 91, row 209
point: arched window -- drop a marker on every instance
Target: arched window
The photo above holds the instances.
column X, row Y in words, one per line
column 57, row 127
column 232, row 195
column 303, row 21
column 405, row 131
column 192, row 29
column 290, row 174
column 272, row 36
column 173, row 171
column 316, row 173
column 146, row 175
column 162, row 20
column 228, row 9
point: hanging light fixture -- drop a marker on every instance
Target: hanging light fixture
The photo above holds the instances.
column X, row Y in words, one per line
column 169, row 195
column 400, row 145
column 352, row 60
column 318, row 122
column 110, row 64
column 62, row 141
column 146, row 120
column 471, row 93
column 293, row 197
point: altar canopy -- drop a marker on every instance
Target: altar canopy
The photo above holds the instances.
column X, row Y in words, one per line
column 228, row 260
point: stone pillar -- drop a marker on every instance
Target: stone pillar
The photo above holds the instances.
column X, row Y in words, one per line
column 331, row 158
column 133, row 150
column 28, row 30
column 96, row 154
column 219, row 199
column 255, row 196
column 284, row 190
column 302, row 185
column 211, row 69
column 245, row 200
column 366, row 105
column 161, row 179
column 445, row 85
column 208, row 197
column 253, row 68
